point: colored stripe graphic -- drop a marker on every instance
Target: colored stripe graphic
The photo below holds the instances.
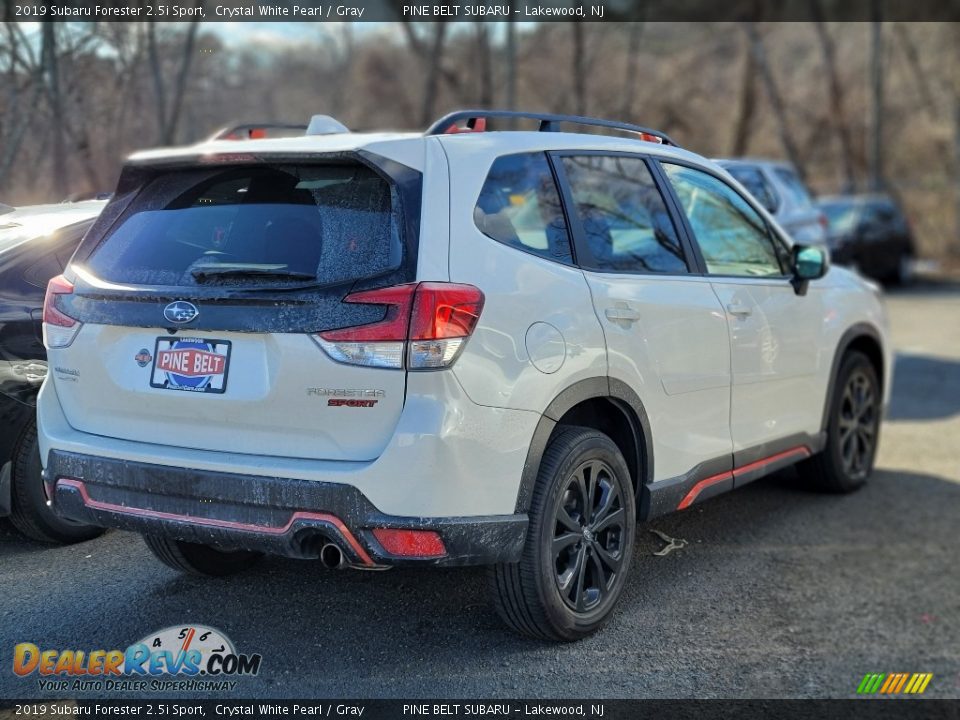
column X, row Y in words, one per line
column 894, row 683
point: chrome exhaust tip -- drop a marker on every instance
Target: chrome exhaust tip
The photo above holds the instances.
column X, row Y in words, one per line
column 332, row 557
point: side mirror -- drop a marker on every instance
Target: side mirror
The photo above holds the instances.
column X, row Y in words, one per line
column 809, row 263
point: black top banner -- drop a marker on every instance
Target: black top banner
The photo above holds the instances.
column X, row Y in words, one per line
column 493, row 709
column 492, row 11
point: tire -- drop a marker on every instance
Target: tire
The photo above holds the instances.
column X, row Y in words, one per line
column 853, row 430
column 30, row 513
column 529, row 595
column 901, row 274
column 904, row 273
column 197, row 559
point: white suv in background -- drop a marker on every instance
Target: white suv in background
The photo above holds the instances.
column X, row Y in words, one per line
column 459, row 347
column 778, row 188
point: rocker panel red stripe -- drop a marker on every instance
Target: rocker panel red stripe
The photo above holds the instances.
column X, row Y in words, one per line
column 689, row 498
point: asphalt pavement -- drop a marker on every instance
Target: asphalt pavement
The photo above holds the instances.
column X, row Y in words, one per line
column 780, row 593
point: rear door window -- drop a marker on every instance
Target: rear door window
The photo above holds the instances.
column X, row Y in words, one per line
column 625, row 220
column 265, row 224
column 519, row 206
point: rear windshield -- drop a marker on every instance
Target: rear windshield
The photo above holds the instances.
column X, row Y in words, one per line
column 254, row 225
column 841, row 216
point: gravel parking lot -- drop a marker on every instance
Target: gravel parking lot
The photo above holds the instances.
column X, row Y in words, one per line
column 780, row 592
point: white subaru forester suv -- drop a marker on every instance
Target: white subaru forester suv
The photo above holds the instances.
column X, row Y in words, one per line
column 467, row 346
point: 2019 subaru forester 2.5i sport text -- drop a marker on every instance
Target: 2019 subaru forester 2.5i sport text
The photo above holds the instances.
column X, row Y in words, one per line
column 461, row 347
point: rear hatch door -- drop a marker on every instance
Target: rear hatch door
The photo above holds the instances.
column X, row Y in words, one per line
column 200, row 293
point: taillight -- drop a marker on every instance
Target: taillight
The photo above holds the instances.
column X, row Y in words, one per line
column 425, row 327
column 379, row 344
column 59, row 329
column 444, row 316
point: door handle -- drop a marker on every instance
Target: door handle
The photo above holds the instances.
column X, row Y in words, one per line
column 622, row 314
column 739, row 310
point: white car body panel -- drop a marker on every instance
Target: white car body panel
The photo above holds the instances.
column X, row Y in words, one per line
column 676, row 356
column 775, row 337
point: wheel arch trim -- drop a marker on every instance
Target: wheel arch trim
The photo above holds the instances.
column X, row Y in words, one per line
column 851, row 335
column 593, row 388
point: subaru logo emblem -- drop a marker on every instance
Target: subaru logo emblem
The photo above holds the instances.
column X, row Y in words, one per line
column 180, row 312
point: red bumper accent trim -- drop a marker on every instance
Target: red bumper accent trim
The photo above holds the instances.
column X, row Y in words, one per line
column 691, row 496
column 80, row 487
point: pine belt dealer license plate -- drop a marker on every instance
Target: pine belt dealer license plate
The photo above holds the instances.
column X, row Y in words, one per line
column 191, row 364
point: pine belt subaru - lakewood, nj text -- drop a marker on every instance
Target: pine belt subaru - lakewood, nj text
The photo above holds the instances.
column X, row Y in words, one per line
column 477, row 345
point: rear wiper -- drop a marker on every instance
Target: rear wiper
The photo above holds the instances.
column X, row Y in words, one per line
column 265, row 272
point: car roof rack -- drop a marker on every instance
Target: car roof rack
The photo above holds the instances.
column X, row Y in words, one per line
column 255, row 131
column 467, row 121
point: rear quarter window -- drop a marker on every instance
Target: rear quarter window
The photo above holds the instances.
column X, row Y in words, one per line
column 519, row 206
column 332, row 223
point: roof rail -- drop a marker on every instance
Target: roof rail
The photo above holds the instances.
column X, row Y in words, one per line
column 255, row 131
column 476, row 121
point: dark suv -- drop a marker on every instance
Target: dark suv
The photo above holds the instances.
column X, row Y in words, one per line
column 35, row 245
column 870, row 233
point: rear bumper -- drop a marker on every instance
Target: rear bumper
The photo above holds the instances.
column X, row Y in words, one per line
column 281, row 516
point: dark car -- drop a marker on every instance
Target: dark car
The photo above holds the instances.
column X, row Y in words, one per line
column 35, row 245
column 870, row 233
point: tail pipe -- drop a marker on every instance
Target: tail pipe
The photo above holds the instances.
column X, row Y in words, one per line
column 332, row 557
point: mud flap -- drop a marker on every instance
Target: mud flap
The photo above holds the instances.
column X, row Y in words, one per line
column 6, row 502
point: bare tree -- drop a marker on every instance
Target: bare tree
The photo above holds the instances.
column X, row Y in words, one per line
column 54, row 98
column 956, row 173
column 953, row 89
column 432, row 82
column 484, row 63
column 747, row 104
column 920, row 77
column 511, row 62
column 634, row 33
column 876, row 97
column 431, row 59
column 169, row 117
column 19, row 110
column 773, row 95
column 579, row 69
column 341, row 47
column 837, row 115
